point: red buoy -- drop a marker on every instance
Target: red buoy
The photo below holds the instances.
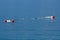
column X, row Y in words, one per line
column 52, row 17
column 5, row 21
column 12, row 20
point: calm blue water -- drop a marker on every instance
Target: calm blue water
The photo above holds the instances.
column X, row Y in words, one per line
column 28, row 29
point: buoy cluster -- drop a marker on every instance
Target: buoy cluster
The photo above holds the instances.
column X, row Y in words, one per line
column 12, row 21
column 6, row 21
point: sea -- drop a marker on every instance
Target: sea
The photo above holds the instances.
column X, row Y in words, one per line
column 26, row 24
